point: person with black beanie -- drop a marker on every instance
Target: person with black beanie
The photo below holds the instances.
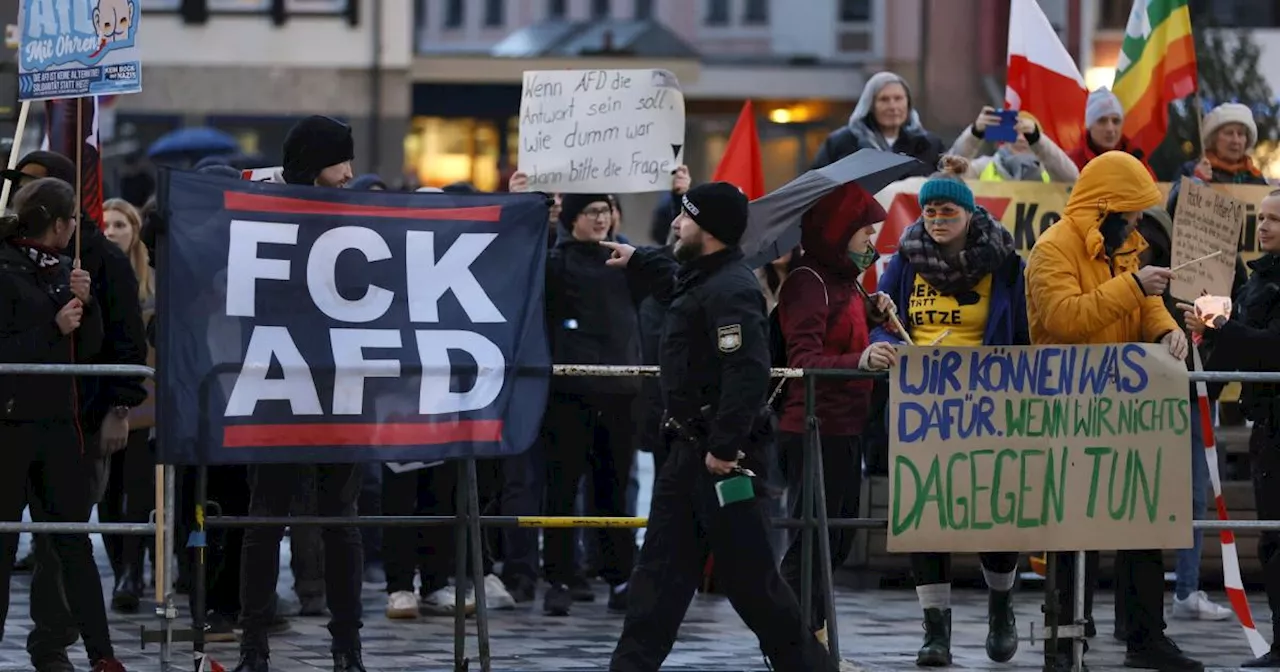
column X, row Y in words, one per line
column 317, row 151
column 714, row 357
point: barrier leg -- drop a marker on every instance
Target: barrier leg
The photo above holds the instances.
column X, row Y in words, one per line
column 806, row 499
column 1077, row 609
column 165, row 520
column 824, row 546
column 477, row 563
column 1050, row 607
column 199, row 598
column 460, row 568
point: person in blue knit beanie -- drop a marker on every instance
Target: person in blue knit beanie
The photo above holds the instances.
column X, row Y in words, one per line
column 957, row 281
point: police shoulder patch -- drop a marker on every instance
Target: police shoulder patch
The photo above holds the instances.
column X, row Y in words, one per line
column 729, row 337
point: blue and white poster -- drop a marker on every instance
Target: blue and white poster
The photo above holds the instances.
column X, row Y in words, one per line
column 78, row 48
column 307, row 324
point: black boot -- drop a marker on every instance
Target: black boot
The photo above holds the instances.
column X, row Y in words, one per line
column 347, row 661
column 1160, row 653
column 1002, row 628
column 253, row 661
column 936, row 651
column 127, row 595
column 1270, row 659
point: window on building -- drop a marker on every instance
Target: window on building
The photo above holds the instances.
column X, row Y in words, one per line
column 756, row 12
column 493, row 13
column 855, row 11
column 644, row 10
column 454, row 14
column 556, row 9
column 600, row 9
column 717, row 12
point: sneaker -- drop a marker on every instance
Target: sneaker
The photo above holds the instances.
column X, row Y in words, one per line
column 618, row 599
column 218, row 628
column 1161, row 654
column 496, row 595
column 108, row 665
column 402, row 604
column 444, row 602
column 558, row 600
column 522, row 588
column 581, row 590
column 1198, row 607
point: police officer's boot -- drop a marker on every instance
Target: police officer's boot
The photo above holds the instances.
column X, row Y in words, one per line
column 936, row 651
column 1002, row 628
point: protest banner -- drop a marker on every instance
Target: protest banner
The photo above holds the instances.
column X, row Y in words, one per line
column 1056, row 448
column 300, row 324
column 600, row 131
column 78, row 48
column 1207, row 221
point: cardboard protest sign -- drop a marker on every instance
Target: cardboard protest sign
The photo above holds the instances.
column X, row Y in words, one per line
column 1053, row 448
column 1207, row 221
column 336, row 325
column 78, row 48
column 600, row 131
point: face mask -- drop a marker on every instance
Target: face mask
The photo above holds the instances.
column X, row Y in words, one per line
column 865, row 259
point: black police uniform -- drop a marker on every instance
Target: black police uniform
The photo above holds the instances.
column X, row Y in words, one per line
column 714, row 355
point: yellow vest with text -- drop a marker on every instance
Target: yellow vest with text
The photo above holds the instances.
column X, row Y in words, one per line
column 990, row 174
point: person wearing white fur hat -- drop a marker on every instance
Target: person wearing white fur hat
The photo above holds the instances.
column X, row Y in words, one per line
column 1103, row 125
column 1227, row 133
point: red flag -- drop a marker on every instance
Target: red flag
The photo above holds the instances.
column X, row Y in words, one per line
column 61, row 134
column 740, row 165
column 1043, row 81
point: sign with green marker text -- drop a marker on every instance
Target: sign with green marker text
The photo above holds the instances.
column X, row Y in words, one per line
column 1057, row 448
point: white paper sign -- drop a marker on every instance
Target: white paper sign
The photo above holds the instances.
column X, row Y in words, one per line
column 600, row 131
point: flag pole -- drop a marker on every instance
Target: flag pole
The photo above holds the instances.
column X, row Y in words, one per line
column 79, row 172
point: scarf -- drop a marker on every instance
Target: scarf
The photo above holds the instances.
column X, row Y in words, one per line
column 1014, row 166
column 987, row 245
column 1242, row 169
column 45, row 258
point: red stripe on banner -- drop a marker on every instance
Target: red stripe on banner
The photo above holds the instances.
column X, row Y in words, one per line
column 362, row 434
column 1240, row 604
column 301, row 206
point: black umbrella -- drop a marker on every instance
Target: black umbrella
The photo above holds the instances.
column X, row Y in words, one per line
column 773, row 227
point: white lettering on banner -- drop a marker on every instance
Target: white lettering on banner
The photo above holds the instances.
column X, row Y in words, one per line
column 352, row 368
column 322, row 280
column 434, row 396
column 613, row 131
column 245, row 267
column 252, row 385
column 430, row 279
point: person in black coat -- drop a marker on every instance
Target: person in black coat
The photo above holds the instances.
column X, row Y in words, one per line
column 714, row 357
column 886, row 119
column 49, row 316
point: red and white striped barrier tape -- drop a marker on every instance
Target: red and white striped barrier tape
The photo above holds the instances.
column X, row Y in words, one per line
column 1230, row 558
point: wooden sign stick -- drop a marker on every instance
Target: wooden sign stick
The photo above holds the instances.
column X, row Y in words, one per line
column 940, row 337
column 1206, row 257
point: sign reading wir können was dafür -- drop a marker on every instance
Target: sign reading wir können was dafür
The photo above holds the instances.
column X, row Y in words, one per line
column 1039, row 448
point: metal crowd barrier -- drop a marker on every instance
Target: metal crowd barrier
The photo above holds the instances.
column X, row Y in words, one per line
column 469, row 521
column 160, row 526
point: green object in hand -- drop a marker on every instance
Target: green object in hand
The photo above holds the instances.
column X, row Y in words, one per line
column 734, row 489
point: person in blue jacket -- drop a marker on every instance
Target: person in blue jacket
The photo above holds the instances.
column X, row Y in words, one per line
column 957, row 280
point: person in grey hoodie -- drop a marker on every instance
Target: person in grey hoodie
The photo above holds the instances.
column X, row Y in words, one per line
column 886, row 119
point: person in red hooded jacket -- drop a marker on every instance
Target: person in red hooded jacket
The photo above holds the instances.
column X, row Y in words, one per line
column 825, row 322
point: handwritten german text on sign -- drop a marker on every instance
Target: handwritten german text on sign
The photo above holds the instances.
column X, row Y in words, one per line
column 1050, row 448
column 78, row 48
column 1206, row 221
column 600, row 131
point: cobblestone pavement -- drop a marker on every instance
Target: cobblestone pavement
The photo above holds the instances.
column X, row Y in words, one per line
column 879, row 629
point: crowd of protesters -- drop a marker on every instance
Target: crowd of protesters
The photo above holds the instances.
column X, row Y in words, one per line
column 92, row 443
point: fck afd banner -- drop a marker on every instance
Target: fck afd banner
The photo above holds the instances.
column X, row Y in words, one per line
column 303, row 324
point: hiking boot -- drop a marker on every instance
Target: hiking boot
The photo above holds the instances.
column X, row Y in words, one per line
column 1160, row 653
column 936, row 651
column 1002, row 627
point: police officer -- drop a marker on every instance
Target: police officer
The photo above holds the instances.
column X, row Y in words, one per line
column 715, row 378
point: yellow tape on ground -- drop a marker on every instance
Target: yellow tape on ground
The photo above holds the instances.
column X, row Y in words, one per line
column 558, row 521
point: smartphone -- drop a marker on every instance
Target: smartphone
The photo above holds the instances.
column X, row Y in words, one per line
column 1006, row 130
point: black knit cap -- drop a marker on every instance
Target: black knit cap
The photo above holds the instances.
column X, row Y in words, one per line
column 572, row 205
column 313, row 144
column 720, row 209
column 54, row 164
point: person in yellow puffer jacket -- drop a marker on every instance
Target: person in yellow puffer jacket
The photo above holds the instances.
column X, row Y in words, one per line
column 1085, row 285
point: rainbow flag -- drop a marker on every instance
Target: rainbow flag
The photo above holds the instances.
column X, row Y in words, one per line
column 1157, row 66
